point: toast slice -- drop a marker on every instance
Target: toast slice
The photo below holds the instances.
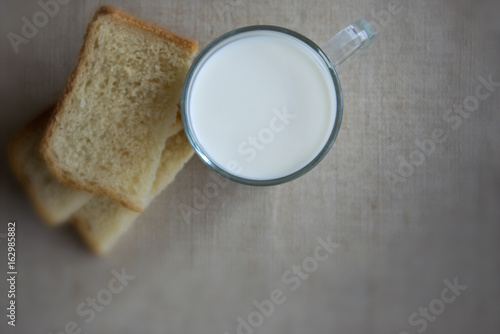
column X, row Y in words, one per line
column 53, row 201
column 109, row 129
column 101, row 222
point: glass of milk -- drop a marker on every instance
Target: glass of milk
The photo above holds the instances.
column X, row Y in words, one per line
column 262, row 105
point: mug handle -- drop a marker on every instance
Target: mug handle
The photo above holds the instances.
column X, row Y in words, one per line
column 350, row 43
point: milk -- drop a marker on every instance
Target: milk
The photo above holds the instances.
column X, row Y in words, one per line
column 262, row 106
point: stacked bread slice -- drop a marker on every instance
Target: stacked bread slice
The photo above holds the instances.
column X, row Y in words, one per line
column 114, row 140
column 54, row 201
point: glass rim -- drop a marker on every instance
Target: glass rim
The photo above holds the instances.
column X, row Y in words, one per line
column 205, row 157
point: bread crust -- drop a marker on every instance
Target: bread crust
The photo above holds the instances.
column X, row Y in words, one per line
column 60, row 108
column 178, row 143
column 184, row 42
column 17, row 166
column 82, row 229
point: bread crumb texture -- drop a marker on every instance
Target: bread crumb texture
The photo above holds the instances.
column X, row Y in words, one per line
column 109, row 132
column 53, row 201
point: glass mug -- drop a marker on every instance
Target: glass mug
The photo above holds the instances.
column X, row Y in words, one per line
column 262, row 105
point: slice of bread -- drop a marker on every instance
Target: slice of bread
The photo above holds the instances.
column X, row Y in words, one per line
column 53, row 201
column 101, row 222
column 109, row 128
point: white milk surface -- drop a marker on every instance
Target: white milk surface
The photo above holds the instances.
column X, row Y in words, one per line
column 263, row 105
